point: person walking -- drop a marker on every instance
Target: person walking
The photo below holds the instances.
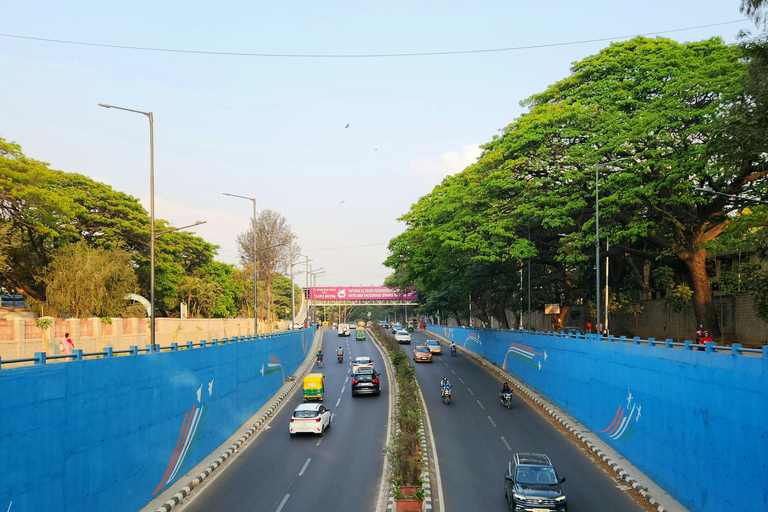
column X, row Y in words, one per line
column 67, row 345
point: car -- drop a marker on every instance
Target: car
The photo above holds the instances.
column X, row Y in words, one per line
column 435, row 347
column 310, row 419
column 361, row 362
column 365, row 381
column 343, row 329
column 397, row 327
column 403, row 337
column 360, row 334
column 422, row 353
column 384, row 324
column 572, row 330
column 531, row 484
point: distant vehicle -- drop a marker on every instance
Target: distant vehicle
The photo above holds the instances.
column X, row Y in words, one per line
column 360, row 334
column 325, row 324
column 310, row 419
column 435, row 347
column 531, row 483
column 397, row 327
column 422, row 353
column 384, row 324
column 365, row 381
column 361, row 323
column 571, row 330
column 403, row 337
column 343, row 329
column 361, row 362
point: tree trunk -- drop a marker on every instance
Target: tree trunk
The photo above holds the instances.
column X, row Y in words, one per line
column 702, row 290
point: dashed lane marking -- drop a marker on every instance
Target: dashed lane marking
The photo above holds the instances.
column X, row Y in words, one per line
column 481, row 405
column 471, row 392
column 506, row 443
column 282, row 503
column 491, row 420
column 305, row 466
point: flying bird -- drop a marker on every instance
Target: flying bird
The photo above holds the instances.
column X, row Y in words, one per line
column 342, row 201
column 346, row 126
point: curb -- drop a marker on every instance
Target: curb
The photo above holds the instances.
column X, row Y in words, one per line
column 271, row 406
column 564, row 419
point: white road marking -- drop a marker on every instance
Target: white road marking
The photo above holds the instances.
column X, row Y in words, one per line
column 319, row 441
column 347, row 379
column 446, row 364
column 470, row 392
column 491, row 420
column 282, row 503
column 338, row 401
column 481, row 405
column 453, row 372
column 461, row 381
column 342, row 389
column 305, row 466
column 506, row 443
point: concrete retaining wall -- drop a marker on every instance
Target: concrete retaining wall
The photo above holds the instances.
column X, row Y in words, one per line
column 695, row 422
column 112, row 433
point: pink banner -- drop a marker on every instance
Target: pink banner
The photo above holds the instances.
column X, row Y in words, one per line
column 366, row 293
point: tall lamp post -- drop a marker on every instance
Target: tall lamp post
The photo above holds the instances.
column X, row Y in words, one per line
column 293, row 301
column 152, row 217
column 255, row 274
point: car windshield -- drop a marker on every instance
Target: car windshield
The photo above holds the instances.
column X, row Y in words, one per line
column 535, row 475
column 305, row 414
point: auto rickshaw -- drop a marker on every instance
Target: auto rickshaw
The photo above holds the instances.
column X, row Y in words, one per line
column 314, row 387
column 410, row 327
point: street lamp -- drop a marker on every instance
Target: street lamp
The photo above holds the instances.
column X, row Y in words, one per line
column 293, row 302
column 157, row 235
column 255, row 276
column 152, row 217
column 708, row 190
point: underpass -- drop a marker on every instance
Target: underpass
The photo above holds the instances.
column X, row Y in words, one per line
column 340, row 471
column 475, row 436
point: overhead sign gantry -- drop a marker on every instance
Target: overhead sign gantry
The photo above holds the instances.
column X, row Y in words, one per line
column 360, row 296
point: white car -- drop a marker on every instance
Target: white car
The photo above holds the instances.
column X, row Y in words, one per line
column 361, row 362
column 403, row 337
column 343, row 329
column 434, row 347
column 310, row 419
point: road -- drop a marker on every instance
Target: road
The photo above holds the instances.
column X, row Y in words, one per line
column 476, row 436
column 340, row 471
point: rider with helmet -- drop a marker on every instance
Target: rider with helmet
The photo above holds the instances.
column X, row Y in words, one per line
column 505, row 389
column 444, row 385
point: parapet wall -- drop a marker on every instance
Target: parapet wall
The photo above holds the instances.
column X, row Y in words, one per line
column 112, row 433
column 695, row 422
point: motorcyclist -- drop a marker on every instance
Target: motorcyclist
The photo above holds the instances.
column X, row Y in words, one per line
column 505, row 389
column 340, row 351
column 453, row 347
column 444, row 385
column 320, row 357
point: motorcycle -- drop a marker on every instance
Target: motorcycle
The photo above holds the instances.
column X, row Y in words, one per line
column 320, row 361
column 506, row 399
column 453, row 350
column 340, row 357
column 446, row 395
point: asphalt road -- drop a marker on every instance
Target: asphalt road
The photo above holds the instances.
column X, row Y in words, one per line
column 340, row 471
column 476, row 435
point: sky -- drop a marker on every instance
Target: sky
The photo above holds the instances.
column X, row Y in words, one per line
column 274, row 126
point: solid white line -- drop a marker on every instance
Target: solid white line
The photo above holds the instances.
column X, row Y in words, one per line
column 470, row 392
column 305, row 466
column 506, row 444
column 492, row 423
column 481, row 405
column 282, row 503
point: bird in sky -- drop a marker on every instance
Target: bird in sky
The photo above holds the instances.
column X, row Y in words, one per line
column 346, row 126
column 342, row 201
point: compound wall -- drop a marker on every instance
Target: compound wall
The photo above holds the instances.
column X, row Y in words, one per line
column 695, row 422
column 112, row 433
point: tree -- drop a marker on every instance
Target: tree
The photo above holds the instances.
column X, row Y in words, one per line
column 274, row 246
column 755, row 9
column 87, row 281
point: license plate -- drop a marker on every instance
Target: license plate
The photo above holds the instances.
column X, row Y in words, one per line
column 540, row 510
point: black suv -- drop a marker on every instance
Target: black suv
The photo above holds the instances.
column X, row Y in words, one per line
column 531, row 483
column 366, row 380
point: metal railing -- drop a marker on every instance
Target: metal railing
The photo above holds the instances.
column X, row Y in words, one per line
column 42, row 358
column 735, row 349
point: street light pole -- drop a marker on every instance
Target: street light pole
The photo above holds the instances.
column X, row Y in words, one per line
column 255, row 274
column 152, row 217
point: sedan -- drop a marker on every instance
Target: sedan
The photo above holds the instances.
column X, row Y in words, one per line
column 435, row 347
column 422, row 353
column 361, row 362
column 403, row 337
column 310, row 419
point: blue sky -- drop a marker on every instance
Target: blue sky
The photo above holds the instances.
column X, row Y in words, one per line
column 274, row 127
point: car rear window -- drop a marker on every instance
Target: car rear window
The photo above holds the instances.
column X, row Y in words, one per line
column 305, row 414
column 363, row 376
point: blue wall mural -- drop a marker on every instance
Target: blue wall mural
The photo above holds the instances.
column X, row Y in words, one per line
column 112, row 433
column 695, row 422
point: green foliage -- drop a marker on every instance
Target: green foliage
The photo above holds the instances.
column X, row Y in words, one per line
column 84, row 281
column 43, row 323
column 679, row 297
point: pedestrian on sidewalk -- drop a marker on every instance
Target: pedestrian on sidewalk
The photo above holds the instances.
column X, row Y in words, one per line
column 67, row 345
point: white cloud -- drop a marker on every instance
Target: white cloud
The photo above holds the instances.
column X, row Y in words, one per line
column 433, row 170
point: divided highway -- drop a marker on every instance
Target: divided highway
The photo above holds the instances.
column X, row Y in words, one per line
column 476, row 435
column 339, row 471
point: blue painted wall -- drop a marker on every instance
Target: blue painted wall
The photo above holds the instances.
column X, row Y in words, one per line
column 696, row 422
column 100, row 434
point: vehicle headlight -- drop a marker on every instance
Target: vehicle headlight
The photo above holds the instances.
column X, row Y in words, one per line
column 519, row 497
column 560, row 499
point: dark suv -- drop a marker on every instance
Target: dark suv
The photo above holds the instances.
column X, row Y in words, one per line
column 531, row 484
column 366, row 380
